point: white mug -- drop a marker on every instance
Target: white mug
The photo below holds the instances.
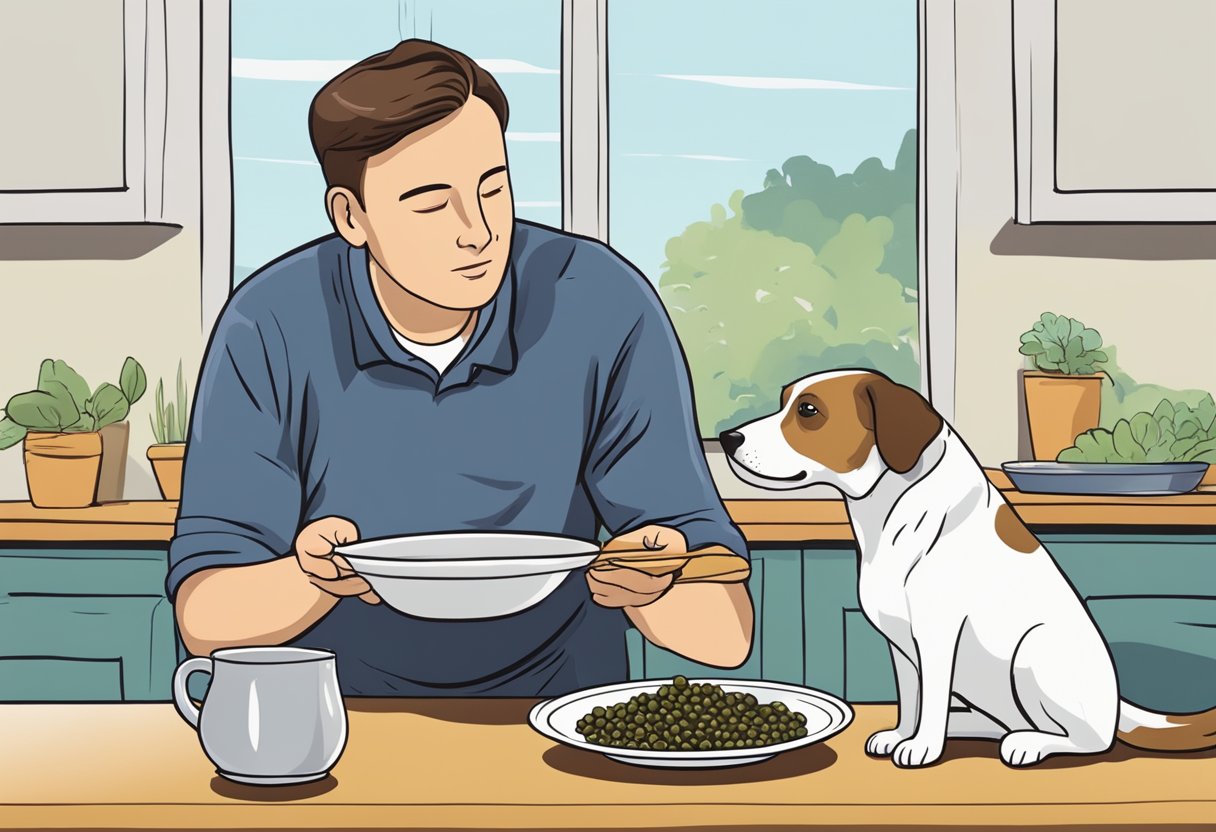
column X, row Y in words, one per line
column 272, row 715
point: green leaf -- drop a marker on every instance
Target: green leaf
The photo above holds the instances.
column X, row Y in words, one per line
column 1073, row 454
column 181, row 404
column 10, row 433
column 1055, row 353
column 1207, row 412
column 1182, row 448
column 1125, row 443
column 1159, row 453
column 1164, row 409
column 1032, row 348
column 59, row 371
column 1204, row 447
column 1145, row 430
column 85, row 424
column 1090, row 339
column 1073, row 350
column 171, row 425
column 50, row 409
column 1106, row 442
column 1098, row 357
column 132, row 380
column 159, row 410
column 1207, row 456
column 109, row 405
column 1088, row 446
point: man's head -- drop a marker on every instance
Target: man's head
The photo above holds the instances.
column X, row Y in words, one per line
column 843, row 428
column 411, row 145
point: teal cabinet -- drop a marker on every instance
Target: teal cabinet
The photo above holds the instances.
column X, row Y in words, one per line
column 82, row 622
column 85, row 624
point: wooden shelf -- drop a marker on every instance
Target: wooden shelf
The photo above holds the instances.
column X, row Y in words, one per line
column 762, row 521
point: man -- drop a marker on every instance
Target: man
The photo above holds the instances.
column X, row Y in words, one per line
column 437, row 365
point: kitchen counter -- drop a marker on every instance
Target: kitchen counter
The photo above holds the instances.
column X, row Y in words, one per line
column 475, row 764
column 762, row 521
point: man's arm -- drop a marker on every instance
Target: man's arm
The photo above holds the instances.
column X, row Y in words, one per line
column 647, row 469
column 241, row 505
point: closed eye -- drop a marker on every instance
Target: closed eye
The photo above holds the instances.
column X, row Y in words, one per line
column 438, row 207
column 494, row 192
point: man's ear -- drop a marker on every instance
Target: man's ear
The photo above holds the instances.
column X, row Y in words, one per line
column 347, row 215
column 903, row 422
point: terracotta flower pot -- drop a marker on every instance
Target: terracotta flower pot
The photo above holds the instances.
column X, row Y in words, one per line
column 114, row 440
column 1058, row 408
column 61, row 469
column 167, row 461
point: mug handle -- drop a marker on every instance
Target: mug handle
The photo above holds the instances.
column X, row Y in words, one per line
column 198, row 664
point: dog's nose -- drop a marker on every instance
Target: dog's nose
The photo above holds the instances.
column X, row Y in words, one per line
column 731, row 440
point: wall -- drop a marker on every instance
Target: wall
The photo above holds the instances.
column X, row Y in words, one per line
column 94, row 295
column 1158, row 312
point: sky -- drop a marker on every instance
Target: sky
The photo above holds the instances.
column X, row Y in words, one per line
column 704, row 97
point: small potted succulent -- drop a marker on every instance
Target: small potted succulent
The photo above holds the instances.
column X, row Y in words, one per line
column 75, row 443
column 1064, row 389
column 169, row 429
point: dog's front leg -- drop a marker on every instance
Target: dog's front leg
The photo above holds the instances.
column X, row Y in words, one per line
column 936, row 645
column 907, row 685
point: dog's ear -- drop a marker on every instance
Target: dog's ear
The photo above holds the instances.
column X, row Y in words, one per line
column 903, row 422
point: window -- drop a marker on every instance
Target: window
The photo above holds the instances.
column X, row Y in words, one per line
column 762, row 160
column 285, row 50
column 89, row 141
column 1104, row 138
column 762, row 174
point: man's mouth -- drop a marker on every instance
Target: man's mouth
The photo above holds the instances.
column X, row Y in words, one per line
column 801, row 475
column 473, row 270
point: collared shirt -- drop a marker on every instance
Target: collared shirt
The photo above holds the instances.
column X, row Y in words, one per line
column 570, row 408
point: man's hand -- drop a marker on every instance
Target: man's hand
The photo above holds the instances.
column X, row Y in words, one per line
column 620, row 586
column 332, row 573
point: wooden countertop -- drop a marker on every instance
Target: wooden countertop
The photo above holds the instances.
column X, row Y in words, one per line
column 469, row 764
column 762, row 521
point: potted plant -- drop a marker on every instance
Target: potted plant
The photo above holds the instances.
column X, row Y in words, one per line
column 61, row 427
column 1064, row 390
column 169, row 428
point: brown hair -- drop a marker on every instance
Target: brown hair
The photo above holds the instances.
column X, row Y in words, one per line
column 382, row 99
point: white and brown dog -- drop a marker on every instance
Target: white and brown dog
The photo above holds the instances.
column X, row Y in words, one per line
column 989, row 640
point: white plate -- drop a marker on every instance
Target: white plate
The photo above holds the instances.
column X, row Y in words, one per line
column 468, row 545
column 825, row 715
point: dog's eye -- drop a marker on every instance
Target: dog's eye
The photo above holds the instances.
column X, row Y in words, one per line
column 806, row 410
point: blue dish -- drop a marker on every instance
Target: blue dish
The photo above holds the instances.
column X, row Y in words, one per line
column 1105, row 478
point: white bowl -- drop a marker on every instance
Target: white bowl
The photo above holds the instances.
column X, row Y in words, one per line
column 490, row 568
column 467, row 575
column 825, row 715
column 470, row 545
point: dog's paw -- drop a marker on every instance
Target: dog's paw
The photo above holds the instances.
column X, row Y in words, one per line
column 1024, row 748
column 883, row 743
column 916, row 751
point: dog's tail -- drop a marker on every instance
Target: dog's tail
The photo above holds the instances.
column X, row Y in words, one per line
column 1166, row 732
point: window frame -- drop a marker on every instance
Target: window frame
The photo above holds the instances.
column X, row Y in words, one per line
column 140, row 197
column 1039, row 197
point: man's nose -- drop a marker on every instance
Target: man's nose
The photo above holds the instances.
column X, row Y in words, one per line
column 731, row 440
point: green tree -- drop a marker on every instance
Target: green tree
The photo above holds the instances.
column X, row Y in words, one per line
column 806, row 201
column 755, row 309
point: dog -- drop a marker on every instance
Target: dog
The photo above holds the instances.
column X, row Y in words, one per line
column 988, row 638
